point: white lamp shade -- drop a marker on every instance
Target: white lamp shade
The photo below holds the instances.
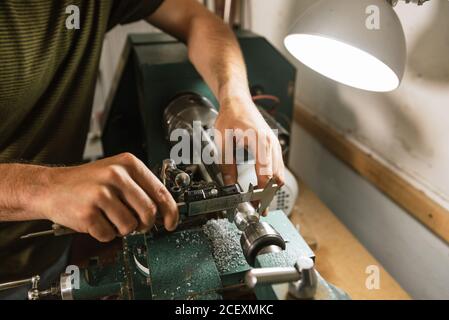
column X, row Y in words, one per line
column 336, row 39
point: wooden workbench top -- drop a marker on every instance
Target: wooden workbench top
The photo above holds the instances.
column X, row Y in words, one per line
column 341, row 259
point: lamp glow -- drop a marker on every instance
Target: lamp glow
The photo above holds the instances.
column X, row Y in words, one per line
column 342, row 63
column 334, row 39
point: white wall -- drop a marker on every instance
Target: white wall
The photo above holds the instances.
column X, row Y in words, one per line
column 408, row 128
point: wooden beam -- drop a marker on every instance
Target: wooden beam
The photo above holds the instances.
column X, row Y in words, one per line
column 416, row 202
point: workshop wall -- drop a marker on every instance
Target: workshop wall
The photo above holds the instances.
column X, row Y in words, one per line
column 407, row 128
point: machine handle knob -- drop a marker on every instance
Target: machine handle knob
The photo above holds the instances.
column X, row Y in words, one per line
column 306, row 287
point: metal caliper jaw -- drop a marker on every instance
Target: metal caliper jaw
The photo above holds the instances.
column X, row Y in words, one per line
column 257, row 237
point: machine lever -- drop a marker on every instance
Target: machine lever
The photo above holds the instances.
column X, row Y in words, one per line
column 271, row 276
column 58, row 230
column 302, row 278
column 33, row 293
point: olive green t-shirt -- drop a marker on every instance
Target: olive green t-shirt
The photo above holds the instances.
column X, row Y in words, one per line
column 47, row 81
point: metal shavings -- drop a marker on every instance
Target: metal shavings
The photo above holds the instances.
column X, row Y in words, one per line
column 187, row 237
column 278, row 259
column 227, row 251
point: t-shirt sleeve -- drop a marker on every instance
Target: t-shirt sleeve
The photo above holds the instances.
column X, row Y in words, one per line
column 127, row 11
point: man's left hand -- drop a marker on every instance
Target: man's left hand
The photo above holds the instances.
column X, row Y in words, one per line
column 242, row 113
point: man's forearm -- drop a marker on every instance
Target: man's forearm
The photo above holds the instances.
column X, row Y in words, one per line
column 215, row 52
column 213, row 47
column 19, row 185
column 110, row 197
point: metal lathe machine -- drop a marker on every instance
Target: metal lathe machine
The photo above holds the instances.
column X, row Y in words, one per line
column 223, row 246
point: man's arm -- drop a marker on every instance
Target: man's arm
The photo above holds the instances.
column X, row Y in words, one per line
column 19, row 186
column 110, row 197
column 215, row 52
column 212, row 46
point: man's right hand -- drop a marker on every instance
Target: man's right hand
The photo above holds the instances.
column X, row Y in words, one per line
column 107, row 198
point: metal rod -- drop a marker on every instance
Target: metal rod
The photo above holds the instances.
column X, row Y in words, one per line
column 271, row 276
column 15, row 284
column 38, row 234
column 58, row 230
